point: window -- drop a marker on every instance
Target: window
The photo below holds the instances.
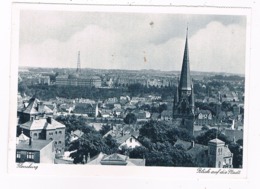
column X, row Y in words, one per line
column 59, row 142
column 18, row 155
column 35, row 134
column 131, row 139
column 50, row 133
column 56, row 132
column 55, row 142
column 30, row 156
column 60, row 132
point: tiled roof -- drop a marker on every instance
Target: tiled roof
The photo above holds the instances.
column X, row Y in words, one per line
column 226, row 152
column 39, row 124
column 23, row 137
column 78, row 133
column 34, row 124
column 36, row 145
column 31, row 108
column 96, row 160
column 166, row 113
column 122, row 139
column 137, row 162
column 203, row 112
column 216, row 140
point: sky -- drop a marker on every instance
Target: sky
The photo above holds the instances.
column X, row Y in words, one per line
column 131, row 41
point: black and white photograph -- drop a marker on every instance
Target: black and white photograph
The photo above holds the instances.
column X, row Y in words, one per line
column 112, row 88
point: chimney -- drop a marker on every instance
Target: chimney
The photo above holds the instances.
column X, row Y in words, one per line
column 49, row 120
column 40, row 107
column 30, row 141
column 192, row 144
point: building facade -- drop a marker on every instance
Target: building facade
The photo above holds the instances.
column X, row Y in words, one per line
column 219, row 154
column 36, row 151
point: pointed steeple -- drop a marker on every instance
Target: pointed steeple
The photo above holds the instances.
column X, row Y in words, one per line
column 185, row 80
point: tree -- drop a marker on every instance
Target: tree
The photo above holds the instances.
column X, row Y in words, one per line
column 240, row 142
column 204, row 138
column 130, row 118
column 155, row 131
column 104, row 129
column 90, row 143
column 205, row 128
column 162, row 107
column 160, row 132
column 22, row 87
column 112, row 145
column 237, row 155
column 138, row 152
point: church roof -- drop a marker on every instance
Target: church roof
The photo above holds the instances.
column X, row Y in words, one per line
column 185, row 79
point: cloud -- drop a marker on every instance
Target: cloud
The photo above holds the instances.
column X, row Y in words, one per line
column 218, row 48
column 131, row 43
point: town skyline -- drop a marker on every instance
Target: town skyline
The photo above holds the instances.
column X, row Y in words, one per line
column 132, row 40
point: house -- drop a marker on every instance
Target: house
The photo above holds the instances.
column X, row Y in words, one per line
column 166, row 115
column 22, row 138
column 203, row 117
column 45, row 129
column 113, row 100
column 118, row 112
column 128, row 141
column 140, row 114
column 219, row 154
column 75, row 135
column 114, row 159
column 85, row 109
column 215, row 154
column 36, row 151
column 105, row 113
column 34, row 108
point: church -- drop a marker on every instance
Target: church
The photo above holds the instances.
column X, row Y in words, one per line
column 184, row 103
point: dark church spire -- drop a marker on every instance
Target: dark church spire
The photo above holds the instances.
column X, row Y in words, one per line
column 185, row 80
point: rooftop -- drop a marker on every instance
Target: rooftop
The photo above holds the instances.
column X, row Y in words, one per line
column 36, row 145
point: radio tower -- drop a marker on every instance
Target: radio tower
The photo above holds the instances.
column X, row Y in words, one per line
column 78, row 63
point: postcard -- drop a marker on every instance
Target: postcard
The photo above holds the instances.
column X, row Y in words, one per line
column 154, row 91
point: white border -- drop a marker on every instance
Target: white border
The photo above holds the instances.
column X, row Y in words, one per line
column 136, row 173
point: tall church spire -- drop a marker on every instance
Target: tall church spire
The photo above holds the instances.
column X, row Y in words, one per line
column 184, row 102
column 185, row 80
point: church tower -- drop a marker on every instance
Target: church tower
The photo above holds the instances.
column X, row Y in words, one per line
column 183, row 107
column 78, row 64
